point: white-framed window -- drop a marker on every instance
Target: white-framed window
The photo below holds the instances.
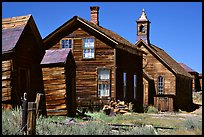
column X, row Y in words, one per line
column 66, row 43
column 103, row 82
column 160, row 85
column 88, row 48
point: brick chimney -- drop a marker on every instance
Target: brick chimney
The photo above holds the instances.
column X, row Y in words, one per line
column 94, row 14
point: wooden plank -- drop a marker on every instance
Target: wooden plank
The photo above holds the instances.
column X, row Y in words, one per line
column 57, row 113
column 6, row 83
column 31, row 121
column 55, row 102
column 50, row 86
column 53, row 69
column 55, row 97
column 58, row 107
column 56, row 81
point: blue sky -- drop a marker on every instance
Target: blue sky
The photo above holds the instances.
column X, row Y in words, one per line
column 176, row 27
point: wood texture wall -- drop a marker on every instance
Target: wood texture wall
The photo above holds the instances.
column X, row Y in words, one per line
column 55, row 90
column 155, row 68
column 6, row 83
column 146, row 89
column 86, row 70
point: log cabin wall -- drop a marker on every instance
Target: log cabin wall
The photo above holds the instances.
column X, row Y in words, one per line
column 55, row 90
column 6, row 84
column 86, row 69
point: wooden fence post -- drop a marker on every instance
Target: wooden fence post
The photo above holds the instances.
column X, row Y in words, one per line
column 24, row 113
column 38, row 101
column 31, row 122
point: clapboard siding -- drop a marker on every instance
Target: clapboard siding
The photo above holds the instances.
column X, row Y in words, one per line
column 86, row 70
column 6, row 80
column 155, row 68
column 55, row 89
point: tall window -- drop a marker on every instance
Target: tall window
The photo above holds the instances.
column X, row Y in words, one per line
column 135, row 85
column 160, row 85
column 103, row 82
column 88, row 48
column 124, row 84
column 66, row 43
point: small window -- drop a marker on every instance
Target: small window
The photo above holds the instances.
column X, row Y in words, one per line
column 124, row 84
column 160, row 85
column 88, row 48
column 141, row 28
column 135, row 85
column 66, row 43
column 103, row 82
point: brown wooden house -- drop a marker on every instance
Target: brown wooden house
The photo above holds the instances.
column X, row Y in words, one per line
column 200, row 80
column 22, row 51
column 167, row 85
column 108, row 66
column 196, row 83
column 59, row 72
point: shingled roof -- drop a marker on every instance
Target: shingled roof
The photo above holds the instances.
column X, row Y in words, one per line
column 76, row 22
column 56, row 56
column 12, row 30
column 165, row 58
column 187, row 68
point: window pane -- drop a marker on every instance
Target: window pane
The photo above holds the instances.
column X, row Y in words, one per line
column 66, row 43
column 88, row 48
column 103, row 74
column 135, row 85
column 104, row 78
column 160, row 85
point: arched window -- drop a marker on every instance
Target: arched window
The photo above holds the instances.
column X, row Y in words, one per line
column 160, row 85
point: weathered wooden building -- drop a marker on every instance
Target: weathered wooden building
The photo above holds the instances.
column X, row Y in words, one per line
column 196, row 83
column 200, row 80
column 59, row 72
column 108, row 66
column 22, row 51
column 167, row 85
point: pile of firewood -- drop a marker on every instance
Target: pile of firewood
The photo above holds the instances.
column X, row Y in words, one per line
column 118, row 107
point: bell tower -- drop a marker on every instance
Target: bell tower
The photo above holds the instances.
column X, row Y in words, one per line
column 143, row 26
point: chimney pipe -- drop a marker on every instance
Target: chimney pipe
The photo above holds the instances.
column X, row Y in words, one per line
column 94, row 14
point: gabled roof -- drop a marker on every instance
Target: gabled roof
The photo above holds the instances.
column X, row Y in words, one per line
column 12, row 30
column 56, row 56
column 187, row 68
column 100, row 32
column 169, row 62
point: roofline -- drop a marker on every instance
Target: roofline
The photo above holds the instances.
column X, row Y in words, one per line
column 58, row 29
column 97, row 30
column 173, row 70
column 80, row 21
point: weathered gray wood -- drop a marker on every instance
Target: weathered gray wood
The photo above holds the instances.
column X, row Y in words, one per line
column 38, row 101
column 31, row 121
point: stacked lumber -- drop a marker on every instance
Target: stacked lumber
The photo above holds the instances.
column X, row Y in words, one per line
column 114, row 108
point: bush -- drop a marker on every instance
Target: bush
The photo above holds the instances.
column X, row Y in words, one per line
column 11, row 122
column 151, row 109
